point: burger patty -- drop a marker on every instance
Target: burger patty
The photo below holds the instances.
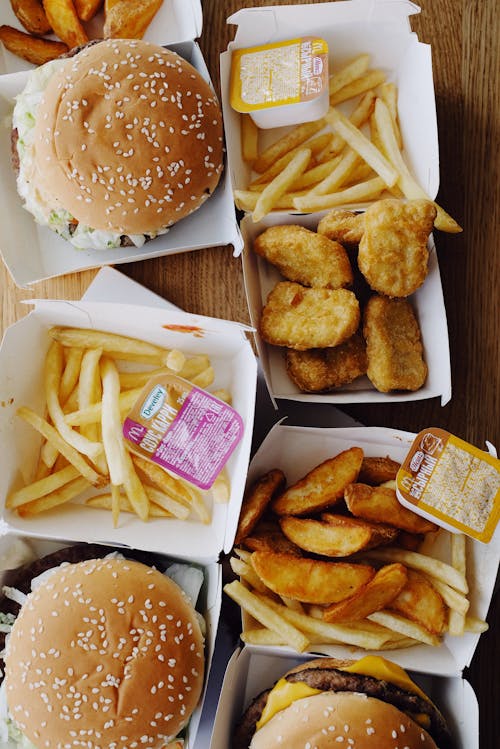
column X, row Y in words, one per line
column 21, row 577
column 336, row 680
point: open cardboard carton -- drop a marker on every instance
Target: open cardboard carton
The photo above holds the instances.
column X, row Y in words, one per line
column 296, row 450
column 17, row 550
column 428, row 304
column 21, row 383
column 251, row 670
column 350, row 28
column 32, row 252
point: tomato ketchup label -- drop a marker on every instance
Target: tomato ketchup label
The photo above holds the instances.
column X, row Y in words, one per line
column 183, row 429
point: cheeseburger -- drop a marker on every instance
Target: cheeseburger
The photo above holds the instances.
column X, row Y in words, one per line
column 105, row 653
column 116, row 143
column 327, row 703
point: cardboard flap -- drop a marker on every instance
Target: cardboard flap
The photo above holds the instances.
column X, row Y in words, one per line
column 296, row 450
column 235, row 369
column 280, row 20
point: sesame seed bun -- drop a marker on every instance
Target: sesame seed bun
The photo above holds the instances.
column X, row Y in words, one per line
column 332, row 719
column 107, row 652
column 128, row 138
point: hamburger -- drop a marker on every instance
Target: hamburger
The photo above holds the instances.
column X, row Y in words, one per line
column 106, row 652
column 116, row 143
column 321, row 704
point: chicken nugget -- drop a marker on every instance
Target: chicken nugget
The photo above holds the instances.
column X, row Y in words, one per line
column 303, row 318
column 393, row 345
column 345, row 227
column 304, row 256
column 393, row 254
column 320, row 370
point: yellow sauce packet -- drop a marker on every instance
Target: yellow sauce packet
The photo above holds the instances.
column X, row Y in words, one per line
column 451, row 483
column 289, row 77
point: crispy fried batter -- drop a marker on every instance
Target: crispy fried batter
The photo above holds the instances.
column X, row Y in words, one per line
column 304, row 256
column 375, row 471
column 345, row 227
column 302, row 318
column 323, row 369
column 393, row 345
column 323, row 486
column 309, row 580
column 256, row 500
column 393, row 251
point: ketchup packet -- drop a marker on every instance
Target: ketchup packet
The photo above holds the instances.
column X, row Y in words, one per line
column 183, row 429
column 451, row 483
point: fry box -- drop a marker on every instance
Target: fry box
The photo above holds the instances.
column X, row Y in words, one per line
column 297, row 450
column 17, row 550
column 250, row 671
column 32, row 252
column 21, row 383
column 427, row 302
column 349, row 28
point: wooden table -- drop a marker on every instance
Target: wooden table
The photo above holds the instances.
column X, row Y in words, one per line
column 463, row 35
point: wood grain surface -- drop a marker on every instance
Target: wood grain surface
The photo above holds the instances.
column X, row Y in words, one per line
column 464, row 37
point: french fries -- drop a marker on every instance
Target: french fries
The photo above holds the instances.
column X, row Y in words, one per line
column 369, row 167
column 129, row 19
column 280, row 184
column 31, row 48
column 249, row 139
column 62, row 16
column 85, row 440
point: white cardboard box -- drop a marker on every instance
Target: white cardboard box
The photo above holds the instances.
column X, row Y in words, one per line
column 32, row 252
column 17, row 550
column 350, row 28
column 21, row 365
column 296, row 450
column 250, row 671
column 261, row 277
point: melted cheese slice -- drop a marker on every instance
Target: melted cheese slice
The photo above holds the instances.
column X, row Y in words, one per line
column 284, row 692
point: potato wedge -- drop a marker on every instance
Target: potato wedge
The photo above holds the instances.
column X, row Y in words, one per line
column 381, row 533
column 32, row 16
column 268, row 536
column 321, row 487
column 30, row 48
column 420, row 602
column 375, row 471
column 86, row 9
column 375, row 595
column 380, row 505
column 129, row 19
column 331, row 539
column 309, row 580
column 256, row 500
column 62, row 16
